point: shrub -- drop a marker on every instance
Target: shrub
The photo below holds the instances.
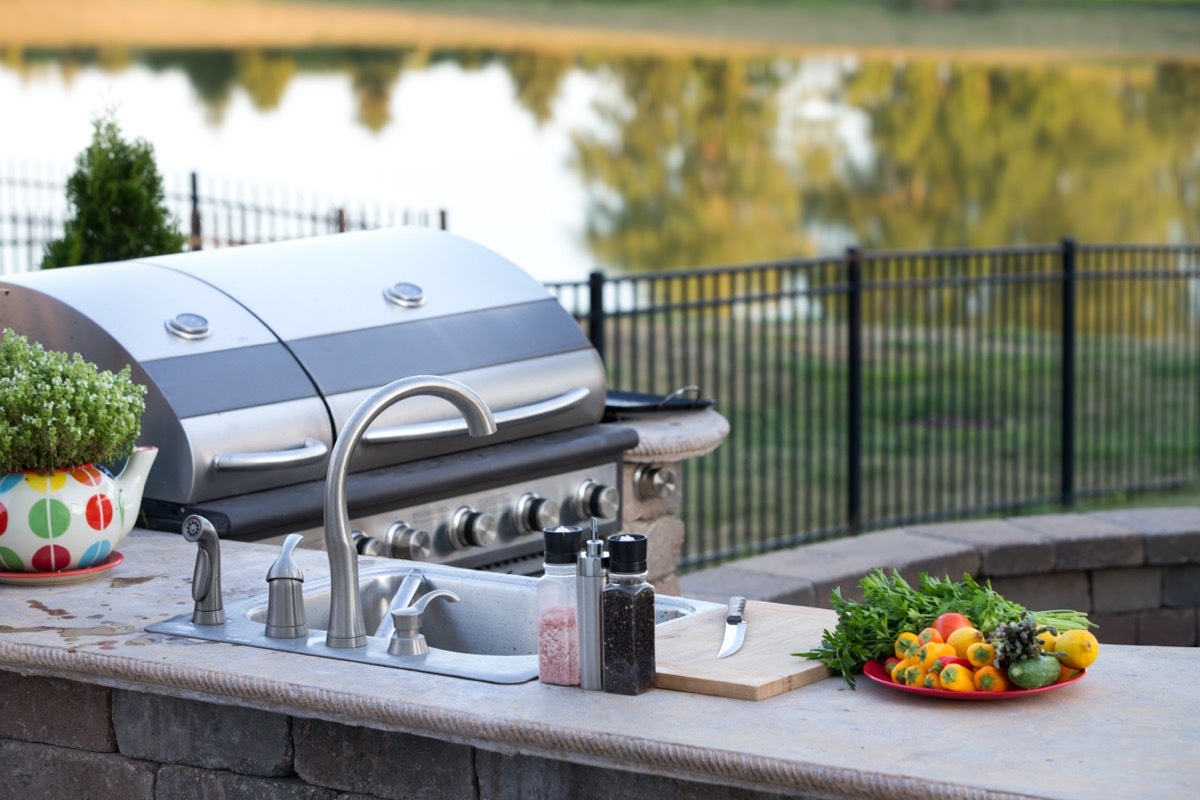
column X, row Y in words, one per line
column 117, row 197
column 59, row 411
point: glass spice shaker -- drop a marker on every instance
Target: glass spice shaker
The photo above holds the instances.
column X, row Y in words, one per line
column 627, row 611
column 557, row 599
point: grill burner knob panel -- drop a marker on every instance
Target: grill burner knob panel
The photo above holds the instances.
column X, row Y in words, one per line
column 472, row 528
column 405, row 541
column 534, row 513
column 597, row 500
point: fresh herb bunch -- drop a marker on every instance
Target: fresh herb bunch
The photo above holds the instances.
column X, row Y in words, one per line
column 867, row 631
column 59, row 411
column 1017, row 641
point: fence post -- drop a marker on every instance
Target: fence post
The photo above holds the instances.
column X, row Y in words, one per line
column 854, row 444
column 195, row 242
column 596, row 311
column 341, row 220
column 1067, row 412
column 442, row 221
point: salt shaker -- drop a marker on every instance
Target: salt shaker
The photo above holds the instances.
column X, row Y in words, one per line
column 558, row 625
column 627, row 611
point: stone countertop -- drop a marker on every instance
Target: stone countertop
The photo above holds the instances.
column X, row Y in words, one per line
column 1133, row 720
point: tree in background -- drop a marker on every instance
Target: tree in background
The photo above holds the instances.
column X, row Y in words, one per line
column 117, row 197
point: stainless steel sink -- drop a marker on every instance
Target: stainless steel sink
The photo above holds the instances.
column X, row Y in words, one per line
column 490, row 634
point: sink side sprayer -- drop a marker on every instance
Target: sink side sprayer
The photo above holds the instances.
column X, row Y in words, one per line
column 347, row 627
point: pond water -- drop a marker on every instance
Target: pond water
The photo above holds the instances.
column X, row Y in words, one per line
column 566, row 164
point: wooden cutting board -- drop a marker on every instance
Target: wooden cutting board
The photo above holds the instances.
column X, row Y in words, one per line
column 686, row 652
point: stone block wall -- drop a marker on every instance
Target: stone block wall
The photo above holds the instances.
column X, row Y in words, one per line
column 68, row 739
column 1136, row 572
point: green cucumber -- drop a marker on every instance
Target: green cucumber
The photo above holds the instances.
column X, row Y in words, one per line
column 1034, row 673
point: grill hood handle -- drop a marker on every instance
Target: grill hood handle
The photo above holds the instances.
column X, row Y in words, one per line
column 449, row 427
column 309, row 452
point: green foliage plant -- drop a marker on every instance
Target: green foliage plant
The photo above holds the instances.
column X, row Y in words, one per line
column 59, row 411
column 117, row 197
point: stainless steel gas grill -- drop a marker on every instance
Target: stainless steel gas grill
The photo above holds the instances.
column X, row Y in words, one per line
column 254, row 358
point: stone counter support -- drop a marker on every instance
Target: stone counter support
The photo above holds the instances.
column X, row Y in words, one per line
column 61, row 738
column 665, row 442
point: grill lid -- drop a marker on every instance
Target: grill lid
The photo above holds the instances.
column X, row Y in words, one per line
column 255, row 356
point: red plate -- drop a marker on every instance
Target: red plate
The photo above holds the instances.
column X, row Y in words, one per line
column 875, row 671
column 63, row 576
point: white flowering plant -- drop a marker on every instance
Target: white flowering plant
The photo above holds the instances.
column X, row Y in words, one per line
column 59, row 411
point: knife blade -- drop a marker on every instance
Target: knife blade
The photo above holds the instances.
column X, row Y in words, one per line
column 735, row 627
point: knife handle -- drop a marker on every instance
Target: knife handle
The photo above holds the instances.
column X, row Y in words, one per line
column 737, row 606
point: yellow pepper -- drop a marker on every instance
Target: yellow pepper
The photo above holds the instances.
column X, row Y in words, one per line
column 930, row 653
column 957, row 678
column 907, row 644
column 898, row 670
column 981, row 654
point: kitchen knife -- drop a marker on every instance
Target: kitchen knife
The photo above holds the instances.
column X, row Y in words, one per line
column 735, row 627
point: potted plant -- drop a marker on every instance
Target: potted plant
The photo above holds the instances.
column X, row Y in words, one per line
column 61, row 417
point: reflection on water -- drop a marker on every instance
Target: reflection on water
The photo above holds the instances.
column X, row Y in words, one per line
column 699, row 161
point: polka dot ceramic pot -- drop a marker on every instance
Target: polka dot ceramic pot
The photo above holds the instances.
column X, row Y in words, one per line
column 69, row 519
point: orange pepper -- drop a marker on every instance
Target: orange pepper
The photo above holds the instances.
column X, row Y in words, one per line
column 930, row 652
column 1065, row 673
column 928, row 635
column 981, row 654
column 990, row 679
column 957, row 678
column 907, row 644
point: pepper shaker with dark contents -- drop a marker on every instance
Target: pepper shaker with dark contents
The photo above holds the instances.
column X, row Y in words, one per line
column 628, row 617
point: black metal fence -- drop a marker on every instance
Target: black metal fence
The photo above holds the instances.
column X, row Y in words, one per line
column 33, row 209
column 879, row 389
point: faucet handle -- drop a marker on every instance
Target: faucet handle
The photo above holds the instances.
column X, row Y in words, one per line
column 285, row 598
column 408, row 639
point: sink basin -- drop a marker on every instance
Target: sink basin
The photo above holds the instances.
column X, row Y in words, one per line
column 489, row 635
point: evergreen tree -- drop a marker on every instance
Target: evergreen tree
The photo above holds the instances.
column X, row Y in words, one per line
column 117, row 197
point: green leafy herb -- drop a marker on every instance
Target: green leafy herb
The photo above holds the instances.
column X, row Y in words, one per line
column 59, row 411
column 867, row 631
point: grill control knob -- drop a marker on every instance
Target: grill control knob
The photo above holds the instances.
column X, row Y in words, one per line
column 654, row 482
column 471, row 528
column 597, row 500
column 405, row 541
column 368, row 545
column 535, row 513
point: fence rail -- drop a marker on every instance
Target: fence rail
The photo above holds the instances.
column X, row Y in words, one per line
column 33, row 210
column 878, row 389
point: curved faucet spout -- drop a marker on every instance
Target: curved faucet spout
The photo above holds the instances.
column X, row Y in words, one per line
column 346, row 625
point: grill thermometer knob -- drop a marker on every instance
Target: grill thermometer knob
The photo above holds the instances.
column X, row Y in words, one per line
column 597, row 500
column 535, row 513
column 470, row 527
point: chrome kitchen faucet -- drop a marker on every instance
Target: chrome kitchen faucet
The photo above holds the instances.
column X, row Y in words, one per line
column 347, row 627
